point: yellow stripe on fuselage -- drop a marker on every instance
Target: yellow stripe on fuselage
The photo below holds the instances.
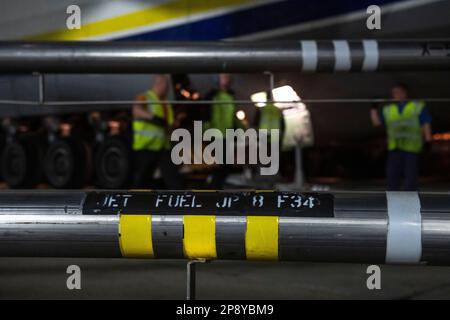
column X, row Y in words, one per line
column 147, row 17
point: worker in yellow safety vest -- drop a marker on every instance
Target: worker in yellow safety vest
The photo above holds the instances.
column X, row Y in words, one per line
column 223, row 116
column 270, row 117
column 408, row 128
column 152, row 125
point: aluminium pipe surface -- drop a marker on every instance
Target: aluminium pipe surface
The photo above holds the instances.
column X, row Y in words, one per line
column 409, row 228
column 214, row 57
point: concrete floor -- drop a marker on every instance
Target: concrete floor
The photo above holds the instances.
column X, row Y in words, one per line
column 43, row 278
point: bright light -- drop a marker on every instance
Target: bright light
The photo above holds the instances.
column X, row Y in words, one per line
column 185, row 93
column 240, row 115
column 195, row 96
column 445, row 136
column 259, row 98
column 298, row 127
column 66, row 129
column 285, row 93
column 114, row 127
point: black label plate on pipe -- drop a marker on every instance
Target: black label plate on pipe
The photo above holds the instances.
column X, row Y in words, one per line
column 221, row 203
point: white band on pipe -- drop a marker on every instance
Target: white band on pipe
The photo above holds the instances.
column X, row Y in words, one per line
column 342, row 55
column 309, row 55
column 371, row 55
column 404, row 238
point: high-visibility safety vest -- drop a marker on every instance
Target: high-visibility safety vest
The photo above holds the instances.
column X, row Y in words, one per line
column 223, row 112
column 404, row 131
column 152, row 136
column 270, row 117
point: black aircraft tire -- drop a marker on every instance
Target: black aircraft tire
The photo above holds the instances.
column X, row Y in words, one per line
column 112, row 164
column 65, row 164
column 21, row 163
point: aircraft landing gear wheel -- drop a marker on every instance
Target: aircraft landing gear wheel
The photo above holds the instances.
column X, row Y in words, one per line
column 112, row 164
column 20, row 164
column 65, row 164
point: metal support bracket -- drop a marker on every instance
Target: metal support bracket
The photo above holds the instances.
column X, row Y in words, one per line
column 271, row 80
column 41, row 87
column 190, row 277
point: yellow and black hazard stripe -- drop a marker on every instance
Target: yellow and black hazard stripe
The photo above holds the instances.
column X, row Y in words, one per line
column 205, row 224
column 198, row 237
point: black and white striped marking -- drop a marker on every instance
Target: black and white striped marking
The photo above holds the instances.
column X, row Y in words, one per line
column 404, row 237
column 339, row 55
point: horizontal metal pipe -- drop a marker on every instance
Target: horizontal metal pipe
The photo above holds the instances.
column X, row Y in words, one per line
column 59, row 235
column 214, row 57
column 190, row 103
column 333, row 227
column 36, row 202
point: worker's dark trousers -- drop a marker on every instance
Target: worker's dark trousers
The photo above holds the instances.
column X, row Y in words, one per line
column 403, row 167
column 145, row 164
column 221, row 173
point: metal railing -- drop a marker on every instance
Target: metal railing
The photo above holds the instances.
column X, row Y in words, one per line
column 214, row 57
column 265, row 225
